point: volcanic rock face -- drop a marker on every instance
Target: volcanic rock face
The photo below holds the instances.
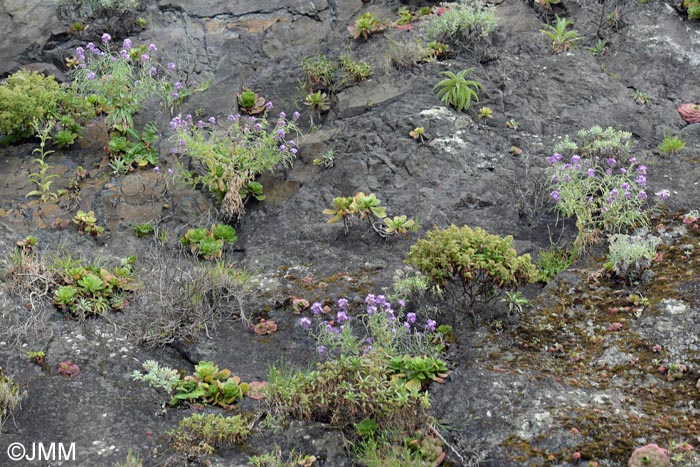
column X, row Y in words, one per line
column 25, row 25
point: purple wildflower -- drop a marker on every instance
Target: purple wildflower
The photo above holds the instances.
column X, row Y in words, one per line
column 296, row 115
column 407, row 325
column 90, row 75
column 280, row 133
column 612, row 162
column 343, row 304
column 257, row 127
column 641, row 180
column 152, row 48
column 402, row 303
column 282, row 115
column 175, row 94
column 554, row 158
column 411, row 318
column 171, row 66
column 555, row 195
column 316, row 308
column 321, row 349
column 590, row 172
column 642, row 169
column 171, row 171
column 145, row 58
column 293, row 150
column 124, row 55
column 430, row 325
column 575, row 159
column 341, row 316
column 153, row 71
column 233, row 118
column 126, row 45
column 663, row 194
column 268, row 105
column 156, row 169
column 642, row 195
column 305, row 323
column 177, row 85
column 212, row 120
column 282, row 148
column 106, row 38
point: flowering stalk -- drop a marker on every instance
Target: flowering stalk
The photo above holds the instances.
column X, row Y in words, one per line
column 234, row 152
column 608, row 195
column 120, row 81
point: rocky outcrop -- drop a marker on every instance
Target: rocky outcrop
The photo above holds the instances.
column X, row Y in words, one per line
column 25, row 24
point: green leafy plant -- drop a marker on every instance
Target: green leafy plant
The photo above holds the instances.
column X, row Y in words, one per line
column 68, row 369
column 629, row 256
column 209, row 243
column 326, row 160
column 600, row 47
column 209, row 385
column 463, row 26
column 87, row 223
column 359, row 71
column 552, row 261
column 456, row 90
column 143, row 230
column 36, row 356
column 42, row 179
column 319, row 73
column 120, row 80
column 318, row 102
column 417, row 372
column 135, row 149
column 436, row 50
column 641, row 97
column 27, row 96
column 92, row 290
column 200, row 435
column 156, row 376
column 367, row 207
column 692, row 7
column 249, row 102
column 10, row 396
column 515, row 301
column 233, row 154
column 485, row 112
column 252, row 190
column 562, row 38
column 365, row 25
column 418, row 134
column 481, row 264
column 671, row 145
column 599, row 183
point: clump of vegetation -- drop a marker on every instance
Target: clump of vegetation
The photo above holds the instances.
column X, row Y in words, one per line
column 277, row 459
column 403, row 55
column 42, row 179
column 561, row 36
column 358, row 70
column 233, row 154
column 144, row 230
column 28, row 96
column 367, row 207
column 87, row 223
column 200, row 435
column 456, row 90
column 480, row 264
column 417, row 372
column 93, row 290
column 671, row 145
column 601, row 185
column 319, row 73
column 629, row 256
column 209, row 243
column 133, row 459
column 156, row 376
column 345, row 391
column 209, row 385
column 133, row 149
column 486, row 112
column 693, row 8
column 552, row 261
column 366, row 25
column 10, row 396
column 462, row 25
column 250, row 103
